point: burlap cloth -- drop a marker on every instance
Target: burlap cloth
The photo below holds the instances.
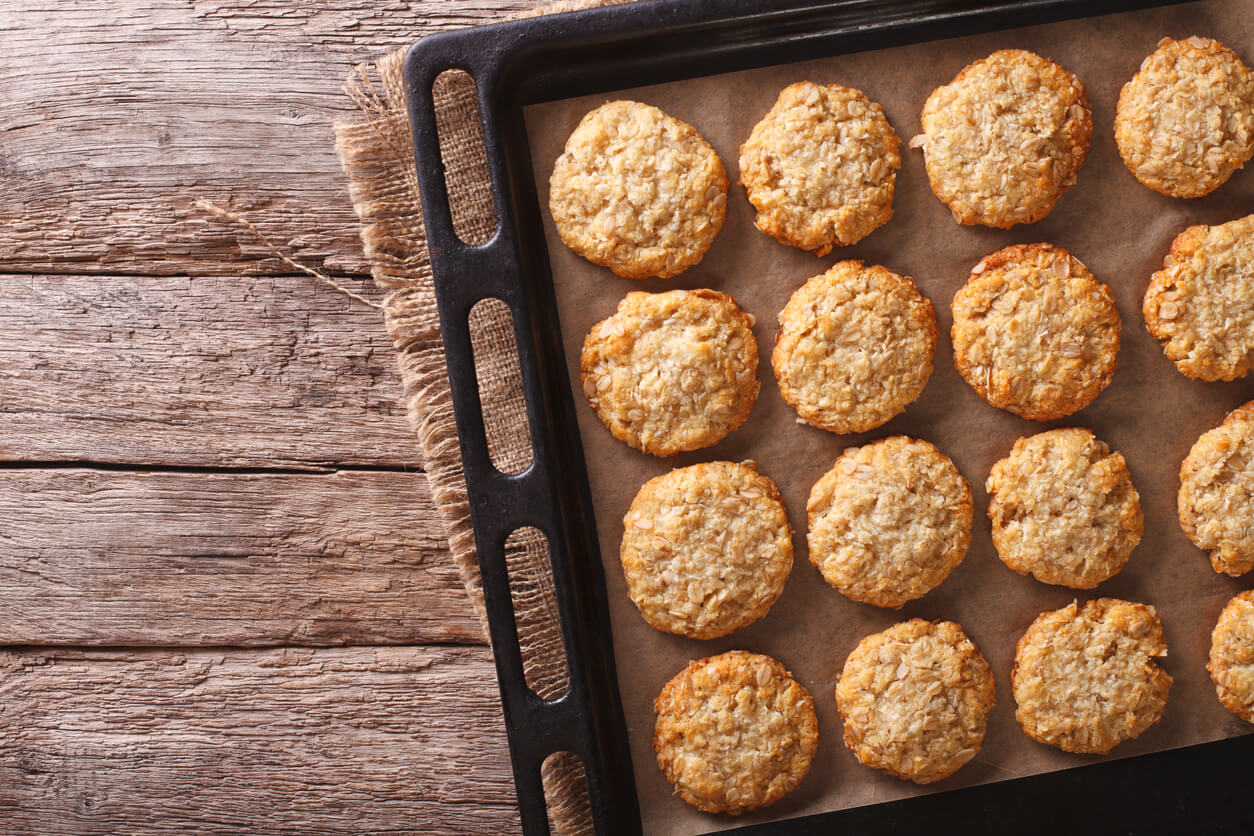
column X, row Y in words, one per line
column 377, row 154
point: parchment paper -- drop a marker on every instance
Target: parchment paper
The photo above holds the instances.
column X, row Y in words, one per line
column 1151, row 413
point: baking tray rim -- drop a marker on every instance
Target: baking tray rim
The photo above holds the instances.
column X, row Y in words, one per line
column 545, row 58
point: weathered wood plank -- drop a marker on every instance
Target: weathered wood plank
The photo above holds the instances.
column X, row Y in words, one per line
column 348, row 740
column 119, row 115
column 143, row 559
column 124, row 113
column 254, row 372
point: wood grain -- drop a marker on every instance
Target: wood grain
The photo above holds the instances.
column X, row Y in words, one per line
column 345, row 740
column 119, row 559
column 121, row 114
column 251, row 372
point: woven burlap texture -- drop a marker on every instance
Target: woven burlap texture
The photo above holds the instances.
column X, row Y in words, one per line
column 376, row 152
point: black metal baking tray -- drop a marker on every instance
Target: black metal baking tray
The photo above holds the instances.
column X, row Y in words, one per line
column 517, row 63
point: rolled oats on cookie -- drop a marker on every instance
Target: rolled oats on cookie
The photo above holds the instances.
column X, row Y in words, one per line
column 855, row 347
column 1231, row 663
column 1244, row 412
column 1086, row 678
column 1064, row 509
column 1005, row 138
column 706, row 549
column 1216, row 499
column 1185, row 122
column 821, row 166
column 1200, row 306
column 889, row 521
column 734, row 732
column 637, row 191
column 915, row 700
column 672, row 372
column 1034, row 332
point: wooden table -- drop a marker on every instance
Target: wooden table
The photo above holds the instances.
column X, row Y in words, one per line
column 225, row 601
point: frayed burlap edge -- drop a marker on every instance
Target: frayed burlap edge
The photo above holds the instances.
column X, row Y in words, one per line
column 376, row 153
column 377, row 156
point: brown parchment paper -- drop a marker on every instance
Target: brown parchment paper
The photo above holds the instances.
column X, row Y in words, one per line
column 1150, row 413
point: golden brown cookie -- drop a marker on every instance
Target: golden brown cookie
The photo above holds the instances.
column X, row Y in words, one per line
column 1185, row 122
column 1086, row 679
column 915, row 700
column 820, row 167
column 638, row 191
column 889, row 521
column 1231, row 662
column 1005, row 138
column 1064, row 509
column 734, row 732
column 706, row 549
column 1216, row 499
column 671, row 372
column 1200, row 306
column 1034, row 333
column 855, row 347
column 1244, row 412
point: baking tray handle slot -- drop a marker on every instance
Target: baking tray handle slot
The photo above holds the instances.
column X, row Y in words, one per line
column 507, row 428
column 465, row 157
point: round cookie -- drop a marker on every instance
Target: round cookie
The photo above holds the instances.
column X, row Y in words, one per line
column 915, row 700
column 1034, row 333
column 1200, row 306
column 889, row 521
column 1086, row 679
column 1064, row 509
column 1005, row 138
column 671, row 372
column 1231, row 662
column 638, row 191
column 854, row 347
column 734, row 732
column 706, row 549
column 820, row 167
column 1185, row 122
column 1216, row 499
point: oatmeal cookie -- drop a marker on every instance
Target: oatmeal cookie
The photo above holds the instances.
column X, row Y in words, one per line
column 734, row 732
column 1216, row 499
column 821, row 166
column 1086, row 679
column 1064, row 509
column 706, row 549
column 889, row 521
column 1005, row 138
column 1244, row 412
column 1200, row 306
column 855, row 347
column 638, row 191
column 1185, row 122
column 671, row 372
column 1034, row 333
column 915, row 700
column 1231, row 662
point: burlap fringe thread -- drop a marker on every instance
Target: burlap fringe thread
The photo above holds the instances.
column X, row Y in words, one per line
column 376, row 153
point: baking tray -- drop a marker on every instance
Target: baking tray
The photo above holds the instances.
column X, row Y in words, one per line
column 557, row 57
